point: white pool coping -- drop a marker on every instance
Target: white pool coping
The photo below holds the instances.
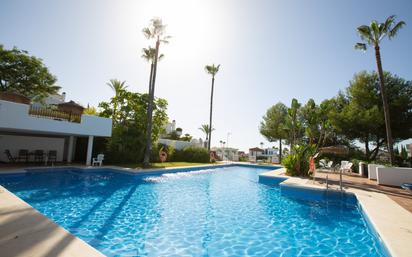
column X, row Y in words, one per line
column 26, row 232
column 392, row 222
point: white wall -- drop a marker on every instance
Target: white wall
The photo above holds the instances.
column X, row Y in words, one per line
column 394, row 176
column 15, row 143
column 372, row 170
column 15, row 116
column 179, row 145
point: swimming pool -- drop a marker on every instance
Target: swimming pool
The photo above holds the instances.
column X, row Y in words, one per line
column 207, row 212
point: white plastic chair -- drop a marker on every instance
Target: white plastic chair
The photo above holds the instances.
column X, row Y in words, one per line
column 98, row 160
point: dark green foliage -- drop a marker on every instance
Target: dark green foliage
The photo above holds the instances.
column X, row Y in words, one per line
column 191, row 154
column 25, row 74
column 129, row 113
column 297, row 162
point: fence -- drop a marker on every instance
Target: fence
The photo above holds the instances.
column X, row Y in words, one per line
column 54, row 114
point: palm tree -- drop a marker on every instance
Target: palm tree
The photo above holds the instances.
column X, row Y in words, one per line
column 149, row 54
column 117, row 86
column 156, row 31
column 205, row 129
column 372, row 35
column 212, row 70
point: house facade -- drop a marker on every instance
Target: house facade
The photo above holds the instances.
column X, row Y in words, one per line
column 35, row 127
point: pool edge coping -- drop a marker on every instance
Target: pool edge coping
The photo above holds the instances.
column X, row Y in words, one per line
column 391, row 222
column 33, row 230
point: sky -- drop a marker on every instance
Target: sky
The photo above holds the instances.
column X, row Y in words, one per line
column 270, row 51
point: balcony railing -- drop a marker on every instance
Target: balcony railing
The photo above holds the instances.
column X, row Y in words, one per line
column 41, row 112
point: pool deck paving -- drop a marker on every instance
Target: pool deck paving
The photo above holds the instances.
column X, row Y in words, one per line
column 26, row 232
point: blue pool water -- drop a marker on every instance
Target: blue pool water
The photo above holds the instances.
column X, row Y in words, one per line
column 212, row 212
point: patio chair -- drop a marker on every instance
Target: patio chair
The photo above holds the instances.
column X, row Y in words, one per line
column 347, row 167
column 52, row 156
column 23, row 155
column 38, row 155
column 9, row 156
column 98, row 160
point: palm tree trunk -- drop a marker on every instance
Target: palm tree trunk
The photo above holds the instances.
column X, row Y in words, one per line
column 148, row 149
column 385, row 104
column 210, row 116
column 280, row 150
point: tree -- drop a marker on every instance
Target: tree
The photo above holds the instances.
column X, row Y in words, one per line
column 372, row 35
column 127, row 143
column 118, row 87
column 212, row 70
column 310, row 118
column 25, row 74
column 358, row 112
column 156, row 31
column 206, row 129
column 272, row 126
column 293, row 123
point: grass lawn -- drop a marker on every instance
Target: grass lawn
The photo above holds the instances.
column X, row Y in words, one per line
column 162, row 165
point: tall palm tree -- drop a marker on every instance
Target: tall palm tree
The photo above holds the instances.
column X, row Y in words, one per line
column 212, row 70
column 372, row 35
column 205, row 129
column 117, row 86
column 155, row 31
column 149, row 54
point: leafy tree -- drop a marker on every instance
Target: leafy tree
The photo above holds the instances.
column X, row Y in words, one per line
column 358, row 113
column 272, row 126
column 155, row 31
column 293, row 123
column 25, row 74
column 212, row 70
column 310, row 118
column 128, row 140
column 90, row 110
column 372, row 35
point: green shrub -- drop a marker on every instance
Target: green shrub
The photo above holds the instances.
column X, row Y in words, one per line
column 191, row 154
column 297, row 162
column 154, row 155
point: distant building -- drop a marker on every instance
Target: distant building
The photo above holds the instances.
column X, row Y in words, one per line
column 409, row 149
column 270, row 154
column 226, row 153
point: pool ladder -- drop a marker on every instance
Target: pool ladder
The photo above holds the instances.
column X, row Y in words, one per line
column 340, row 182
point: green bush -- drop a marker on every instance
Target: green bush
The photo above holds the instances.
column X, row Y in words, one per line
column 191, row 154
column 154, row 155
column 297, row 162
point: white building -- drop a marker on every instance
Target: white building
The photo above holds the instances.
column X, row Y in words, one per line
column 23, row 126
column 270, row 154
column 226, row 153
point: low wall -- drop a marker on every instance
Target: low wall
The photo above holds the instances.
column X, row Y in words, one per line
column 372, row 170
column 394, row 176
column 177, row 144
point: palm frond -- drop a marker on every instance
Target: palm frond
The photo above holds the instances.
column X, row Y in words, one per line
column 392, row 33
column 360, row 46
column 365, row 33
column 375, row 30
column 388, row 23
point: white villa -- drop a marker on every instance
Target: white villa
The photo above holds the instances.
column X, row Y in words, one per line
column 48, row 127
column 227, row 153
column 271, row 154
